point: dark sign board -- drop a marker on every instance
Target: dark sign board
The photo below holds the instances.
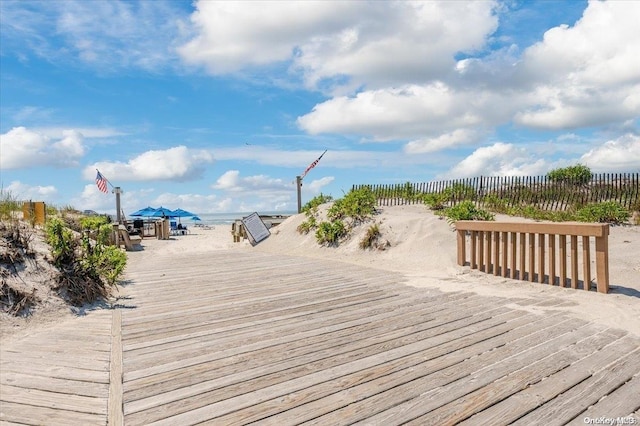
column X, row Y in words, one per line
column 256, row 229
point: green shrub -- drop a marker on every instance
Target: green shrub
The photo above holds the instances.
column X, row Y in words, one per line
column 62, row 241
column 607, row 212
column 578, row 174
column 93, row 222
column 312, row 205
column 358, row 204
column 337, row 210
column 330, row 232
column 496, row 204
column 306, row 226
column 436, row 201
column 466, row 210
column 85, row 265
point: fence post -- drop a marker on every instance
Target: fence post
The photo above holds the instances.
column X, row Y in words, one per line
column 461, row 247
column 602, row 260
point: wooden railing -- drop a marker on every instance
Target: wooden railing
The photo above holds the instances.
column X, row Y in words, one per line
column 528, row 251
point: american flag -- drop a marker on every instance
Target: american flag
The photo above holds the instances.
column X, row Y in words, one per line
column 101, row 181
column 312, row 165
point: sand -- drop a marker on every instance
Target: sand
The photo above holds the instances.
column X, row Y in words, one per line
column 422, row 246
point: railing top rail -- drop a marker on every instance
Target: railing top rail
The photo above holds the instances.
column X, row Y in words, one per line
column 564, row 228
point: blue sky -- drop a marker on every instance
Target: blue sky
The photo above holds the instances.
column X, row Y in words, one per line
column 217, row 106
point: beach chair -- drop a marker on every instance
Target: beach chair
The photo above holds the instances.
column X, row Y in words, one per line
column 131, row 242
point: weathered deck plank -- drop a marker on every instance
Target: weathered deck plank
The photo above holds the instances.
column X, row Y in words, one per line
column 240, row 337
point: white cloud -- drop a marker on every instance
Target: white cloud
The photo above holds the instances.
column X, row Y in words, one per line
column 315, row 186
column 23, row 148
column 86, row 132
column 178, row 163
column 257, row 185
column 229, row 181
column 413, row 112
column 619, row 155
column 24, row 192
column 588, row 74
column 263, row 193
column 448, row 140
column 105, row 35
column 585, row 75
column 372, row 43
column 195, row 203
column 499, row 159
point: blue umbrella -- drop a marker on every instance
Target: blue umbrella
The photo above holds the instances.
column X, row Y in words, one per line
column 146, row 212
column 182, row 213
column 195, row 218
column 163, row 212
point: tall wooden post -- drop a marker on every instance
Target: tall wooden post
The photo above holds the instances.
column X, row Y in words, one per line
column 118, row 191
column 299, row 189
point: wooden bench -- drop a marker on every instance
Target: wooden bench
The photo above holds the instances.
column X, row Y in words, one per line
column 130, row 242
column 529, row 251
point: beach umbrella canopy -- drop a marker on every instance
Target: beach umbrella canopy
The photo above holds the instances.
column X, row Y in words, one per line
column 163, row 212
column 195, row 218
column 182, row 213
column 146, row 212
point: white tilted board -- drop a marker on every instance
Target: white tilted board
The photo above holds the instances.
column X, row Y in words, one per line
column 255, row 227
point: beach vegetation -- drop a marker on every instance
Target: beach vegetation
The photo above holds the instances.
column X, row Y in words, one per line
column 606, row 212
column 635, row 212
column 578, row 174
column 87, row 267
column 370, row 239
column 456, row 192
column 436, row 200
column 313, row 204
column 9, row 205
column 330, row 233
column 310, row 210
column 461, row 191
column 308, row 225
column 357, row 204
column 466, row 210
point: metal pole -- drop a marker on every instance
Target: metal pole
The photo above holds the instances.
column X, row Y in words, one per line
column 117, row 191
column 299, row 186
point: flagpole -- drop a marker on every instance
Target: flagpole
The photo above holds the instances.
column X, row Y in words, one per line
column 299, row 186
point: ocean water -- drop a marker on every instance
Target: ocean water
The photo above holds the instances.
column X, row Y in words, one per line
column 214, row 219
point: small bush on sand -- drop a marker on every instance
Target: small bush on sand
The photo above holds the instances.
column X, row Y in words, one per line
column 466, row 210
column 436, row 201
column 308, row 225
column 578, row 174
column 371, row 237
column 329, row 233
column 358, row 205
column 310, row 210
column 607, row 212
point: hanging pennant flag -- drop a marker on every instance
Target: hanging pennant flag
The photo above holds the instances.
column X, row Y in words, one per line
column 312, row 165
column 101, row 181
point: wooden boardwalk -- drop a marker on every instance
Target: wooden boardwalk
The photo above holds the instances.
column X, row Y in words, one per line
column 234, row 337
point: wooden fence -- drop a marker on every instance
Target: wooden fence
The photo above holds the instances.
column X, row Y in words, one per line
column 528, row 251
column 539, row 191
